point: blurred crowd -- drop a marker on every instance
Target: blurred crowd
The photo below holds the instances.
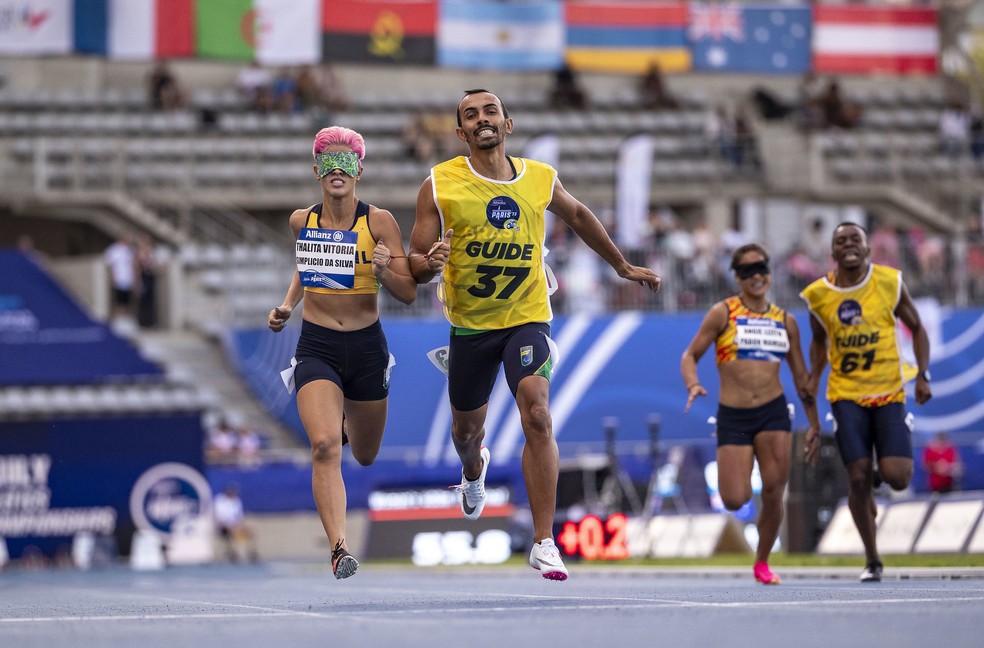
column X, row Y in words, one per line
column 308, row 89
column 233, row 442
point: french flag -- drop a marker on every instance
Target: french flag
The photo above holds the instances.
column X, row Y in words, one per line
column 135, row 29
column 875, row 40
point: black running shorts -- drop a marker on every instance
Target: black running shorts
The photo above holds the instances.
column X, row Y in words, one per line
column 738, row 426
column 474, row 360
column 859, row 430
column 357, row 361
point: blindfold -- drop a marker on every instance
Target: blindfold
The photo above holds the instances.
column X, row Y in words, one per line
column 747, row 270
column 346, row 161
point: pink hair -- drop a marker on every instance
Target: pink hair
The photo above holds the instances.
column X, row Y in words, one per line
column 340, row 135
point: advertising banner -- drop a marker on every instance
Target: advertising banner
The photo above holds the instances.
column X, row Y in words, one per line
column 39, row 27
column 47, row 339
column 108, row 477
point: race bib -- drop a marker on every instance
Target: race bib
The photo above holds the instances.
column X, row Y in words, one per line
column 759, row 338
column 326, row 258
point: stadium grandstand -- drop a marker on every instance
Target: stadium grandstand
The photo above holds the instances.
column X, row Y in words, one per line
column 744, row 145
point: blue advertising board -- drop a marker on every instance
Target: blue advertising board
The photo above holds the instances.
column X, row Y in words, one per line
column 46, row 338
column 107, row 476
column 623, row 366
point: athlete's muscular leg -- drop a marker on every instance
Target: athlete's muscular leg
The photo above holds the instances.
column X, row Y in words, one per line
column 319, row 404
column 734, row 474
column 862, row 504
column 773, row 452
column 895, row 471
column 366, row 421
column 541, row 458
column 467, row 433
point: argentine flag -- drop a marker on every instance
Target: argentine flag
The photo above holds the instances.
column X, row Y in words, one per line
column 504, row 36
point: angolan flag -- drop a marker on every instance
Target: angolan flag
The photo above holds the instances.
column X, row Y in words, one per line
column 373, row 31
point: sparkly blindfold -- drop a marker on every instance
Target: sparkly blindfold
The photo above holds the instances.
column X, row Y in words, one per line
column 747, row 270
column 347, row 161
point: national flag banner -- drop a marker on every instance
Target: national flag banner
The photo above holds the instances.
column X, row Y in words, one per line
column 273, row 32
column 35, row 28
column 509, row 36
column 135, row 29
column 735, row 37
column 372, row 31
column 875, row 40
column 627, row 36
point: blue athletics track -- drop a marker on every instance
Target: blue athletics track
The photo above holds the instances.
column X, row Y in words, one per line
column 292, row 604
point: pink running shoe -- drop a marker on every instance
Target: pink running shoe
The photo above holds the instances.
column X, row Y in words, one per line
column 764, row 575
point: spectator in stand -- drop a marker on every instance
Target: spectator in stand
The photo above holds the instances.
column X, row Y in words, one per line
column 308, row 89
column 720, row 132
column 704, row 266
column 814, row 241
column 838, row 112
column 977, row 134
column 333, row 94
column 975, row 257
column 146, row 258
column 745, row 139
column 931, row 257
column 582, row 279
column 730, row 240
column 653, row 91
column 253, row 83
column 954, row 128
column 800, row 267
column 886, row 246
column 230, row 519
column 567, row 91
column 248, row 445
column 220, row 446
column 120, row 258
column 943, row 465
column 164, row 91
column 283, row 89
column 418, row 143
column 810, row 110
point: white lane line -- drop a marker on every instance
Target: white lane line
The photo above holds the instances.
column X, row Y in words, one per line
column 609, row 604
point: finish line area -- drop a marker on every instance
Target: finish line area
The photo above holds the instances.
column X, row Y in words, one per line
column 300, row 604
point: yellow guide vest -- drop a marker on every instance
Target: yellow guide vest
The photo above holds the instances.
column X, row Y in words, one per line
column 494, row 277
column 865, row 364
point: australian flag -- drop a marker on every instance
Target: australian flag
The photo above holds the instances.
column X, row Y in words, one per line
column 740, row 38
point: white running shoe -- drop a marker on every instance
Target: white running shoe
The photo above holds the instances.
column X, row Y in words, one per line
column 545, row 556
column 473, row 492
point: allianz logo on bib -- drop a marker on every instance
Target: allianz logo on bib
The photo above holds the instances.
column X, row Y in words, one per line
column 329, row 235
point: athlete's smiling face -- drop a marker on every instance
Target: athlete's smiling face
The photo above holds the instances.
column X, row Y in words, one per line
column 752, row 274
column 849, row 247
column 484, row 124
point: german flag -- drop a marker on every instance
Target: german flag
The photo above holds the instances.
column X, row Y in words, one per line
column 371, row 31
